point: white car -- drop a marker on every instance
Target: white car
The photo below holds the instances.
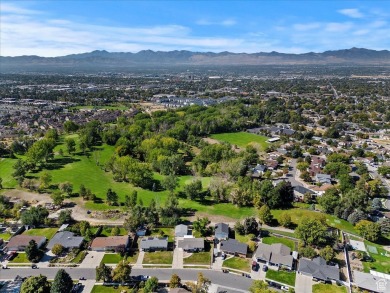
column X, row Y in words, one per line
column 285, row 288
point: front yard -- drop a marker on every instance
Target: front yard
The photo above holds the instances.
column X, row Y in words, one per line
column 110, row 289
column 20, row 258
column 158, row 257
column 238, row 263
column 5, row 236
column 46, row 232
column 114, row 258
column 198, row 258
column 327, row 288
column 282, row 277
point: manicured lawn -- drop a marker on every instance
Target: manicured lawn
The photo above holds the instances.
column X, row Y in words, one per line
column 5, row 236
column 47, row 232
column 20, row 258
column 100, row 107
column 199, row 258
column 79, row 257
column 273, row 239
column 6, row 167
column 162, row 232
column 107, row 289
column 242, row 139
column 242, row 238
column 238, row 263
column 107, row 231
column 281, row 232
column 381, row 262
column 110, row 258
column 327, row 288
column 281, row 277
column 158, row 257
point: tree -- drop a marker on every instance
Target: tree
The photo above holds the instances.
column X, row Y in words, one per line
column 70, row 145
column 131, row 201
column 151, row 285
column 35, row 216
column 327, row 253
column 57, row 249
column 45, row 180
column 193, row 189
column 336, row 169
column 368, row 230
column 201, row 286
column 384, row 170
column 346, row 183
column 66, row 187
column 200, row 225
column 40, row 151
column 58, row 198
column 239, row 228
column 122, row 272
column 175, row 281
column 82, row 191
column 35, row 284
column 311, row 231
column 306, row 251
column 62, row 283
column 32, row 252
column 303, row 166
column 305, row 176
column 330, row 200
column 259, row 286
column 356, row 216
column 170, row 182
column 112, row 197
column 250, row 225
column 1, row 183
column 103, row 272
column 65, row 216
column 70, row 126
column 20, row 169
column 265, row 215
column 285, row 220
column 115, row 231
column 385, row 226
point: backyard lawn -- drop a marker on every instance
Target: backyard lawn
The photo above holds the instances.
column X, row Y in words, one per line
column 327, row 288
column 20, row 258
column 46, row 232
column 380, row 256
column 282, row 277
column 273, row 239
column 199, row 258
column 5, row 236
column 242, row 139
column 163, row 232
column 6, row 167
column 106, row 231
column 238, row 263
column 158, row 257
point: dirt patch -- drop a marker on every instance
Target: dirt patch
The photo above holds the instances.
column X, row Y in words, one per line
column 211, row 140
column 33, row 198
column 213, row 219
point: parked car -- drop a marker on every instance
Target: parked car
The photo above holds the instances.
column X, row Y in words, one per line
column 34, row 266
column 82, row 279
column 225, row 271
column 255, row 266
column 265, row 268
column 285, row 288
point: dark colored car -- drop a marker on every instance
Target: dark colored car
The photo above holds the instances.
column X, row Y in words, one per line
column 255, row 266
column 265, row 268
column 34, row 266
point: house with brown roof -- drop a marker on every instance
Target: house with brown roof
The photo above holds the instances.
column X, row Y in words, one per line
column 20, row 242
column 109, row 243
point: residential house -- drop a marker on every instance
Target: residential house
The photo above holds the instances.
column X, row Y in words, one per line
column 191, row 244
column 276, row 254
column 154, row 243
column 66, row 239
column 259, row 170
column 370, row 282
column 20, row 242
column 323, row 178
column 271, row 164
column 318, row 269
column 316, row 165
column 221, row 231
column 320, row 190
column 181, row 230
column 300, row 191
column 110, row 243
column 234, row 247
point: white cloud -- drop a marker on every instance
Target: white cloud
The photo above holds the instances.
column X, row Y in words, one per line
column 351, row 12
column 226, row 22
column 338, row 27
column 306, row 26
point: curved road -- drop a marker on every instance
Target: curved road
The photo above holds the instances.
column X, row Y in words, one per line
column 232, row 281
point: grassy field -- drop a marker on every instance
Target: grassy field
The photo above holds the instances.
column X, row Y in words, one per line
column 158, row 257
column 381, row 262
column 242, row 139
column 199, row 258
column 238, row 263
column 273, row 239
column 20, row 258
column 107, row 289
column 281, row 277
column 327, row 288
column 5, row 236
column 46, row 232
column 6, row 170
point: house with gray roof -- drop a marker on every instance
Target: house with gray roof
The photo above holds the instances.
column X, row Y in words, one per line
column 276, row 254
column 191, row 244
column 234, row 247
column 318, row 269
column 221, row 231
column 181, row 230
column 300, row 191
column 67, row 239
column 323, row 178
column 370, row 282
column 154, row 243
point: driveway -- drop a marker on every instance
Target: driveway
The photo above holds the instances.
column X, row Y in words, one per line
column 303, row 284
column 92, row 259
column 140, row 260
column 87, row 285
column 177, row 262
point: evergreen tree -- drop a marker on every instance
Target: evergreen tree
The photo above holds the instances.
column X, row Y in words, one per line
column 62, row 283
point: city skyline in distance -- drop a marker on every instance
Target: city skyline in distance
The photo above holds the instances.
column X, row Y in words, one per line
column 58, row 28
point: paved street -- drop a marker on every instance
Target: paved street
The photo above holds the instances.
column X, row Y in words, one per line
column 230, row 281
column 303, row 284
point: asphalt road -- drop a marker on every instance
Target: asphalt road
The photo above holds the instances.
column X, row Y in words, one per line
column 227, row 280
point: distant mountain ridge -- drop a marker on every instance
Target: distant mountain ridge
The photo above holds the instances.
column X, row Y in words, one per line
column 103, row 59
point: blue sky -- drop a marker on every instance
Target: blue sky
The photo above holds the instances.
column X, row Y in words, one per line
column 56, row 28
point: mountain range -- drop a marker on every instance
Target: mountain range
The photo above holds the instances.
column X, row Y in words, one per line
column 105, row 60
